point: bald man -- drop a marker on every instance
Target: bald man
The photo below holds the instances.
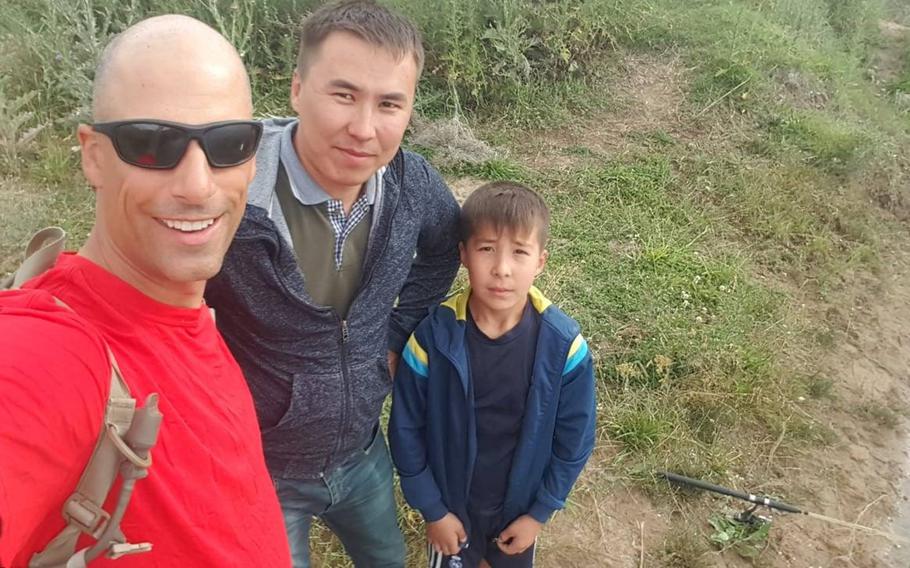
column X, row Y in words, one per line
column 169, row 157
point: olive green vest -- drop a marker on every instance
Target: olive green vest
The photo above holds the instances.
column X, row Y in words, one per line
column 314, row 245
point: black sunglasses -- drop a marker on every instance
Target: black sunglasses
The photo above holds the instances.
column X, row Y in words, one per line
column 160, row 145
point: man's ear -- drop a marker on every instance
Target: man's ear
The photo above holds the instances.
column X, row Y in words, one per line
column 91, row 151
column 252, row 170
column 296, row 86
column 542, row 261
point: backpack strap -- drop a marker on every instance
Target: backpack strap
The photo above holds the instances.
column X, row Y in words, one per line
column 124, row 444
column 83, row 509
column 40, row 254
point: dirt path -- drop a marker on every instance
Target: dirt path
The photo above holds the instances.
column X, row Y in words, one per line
column 862, row 475
column 888, row 63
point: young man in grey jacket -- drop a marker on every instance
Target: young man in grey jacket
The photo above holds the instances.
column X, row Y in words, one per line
column 345, row 243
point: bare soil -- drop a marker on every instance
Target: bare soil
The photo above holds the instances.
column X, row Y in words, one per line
column 861, row 476
column 858, row 477
column 646, row 99
column 862, row 473
column 889, row 61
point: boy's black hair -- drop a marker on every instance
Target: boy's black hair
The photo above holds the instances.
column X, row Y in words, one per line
column 505, row 205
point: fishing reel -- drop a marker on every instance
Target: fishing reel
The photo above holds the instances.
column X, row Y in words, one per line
column 749, row 517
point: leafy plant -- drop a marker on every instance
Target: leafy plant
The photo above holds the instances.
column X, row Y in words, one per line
column 17, row 128
column 746, row 539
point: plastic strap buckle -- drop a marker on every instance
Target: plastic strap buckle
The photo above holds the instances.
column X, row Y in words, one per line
column 119, row 549
column 86, row 515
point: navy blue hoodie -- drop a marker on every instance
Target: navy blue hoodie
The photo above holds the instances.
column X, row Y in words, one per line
column 432, row 432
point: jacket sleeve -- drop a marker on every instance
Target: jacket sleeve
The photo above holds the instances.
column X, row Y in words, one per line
column 436, row 261
column 407, row 433
column 573, row 438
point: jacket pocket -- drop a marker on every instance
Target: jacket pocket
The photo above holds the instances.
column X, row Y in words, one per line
column 370, row 384
column 310, row 424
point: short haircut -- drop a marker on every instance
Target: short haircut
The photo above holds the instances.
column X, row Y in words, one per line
column 505, row 205
column 367, row 20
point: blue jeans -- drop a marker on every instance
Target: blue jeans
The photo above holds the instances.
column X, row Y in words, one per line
column 356, row 501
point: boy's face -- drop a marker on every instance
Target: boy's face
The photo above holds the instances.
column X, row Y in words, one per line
column 502, row 267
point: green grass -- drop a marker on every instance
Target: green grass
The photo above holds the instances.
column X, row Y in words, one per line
column 684, row 548
column 685, row 253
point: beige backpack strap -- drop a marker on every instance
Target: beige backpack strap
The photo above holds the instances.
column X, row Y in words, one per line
column 40, row 254
column 123, row 447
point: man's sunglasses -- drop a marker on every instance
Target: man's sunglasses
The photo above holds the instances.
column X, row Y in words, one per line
column 160, row 145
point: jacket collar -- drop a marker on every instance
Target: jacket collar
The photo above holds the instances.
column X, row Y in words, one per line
column 458, row 303
column 450, row 339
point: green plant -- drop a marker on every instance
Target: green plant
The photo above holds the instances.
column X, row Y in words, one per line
column 819, row 387
column 828, row 144
column 881, row 414
column 746, row 539
column 17, row 127
column 639, row 428
column 684, row 548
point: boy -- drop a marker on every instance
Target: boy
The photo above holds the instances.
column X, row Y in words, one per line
column 493, row 411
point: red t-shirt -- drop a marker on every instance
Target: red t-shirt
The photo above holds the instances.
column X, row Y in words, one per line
column 208, row 500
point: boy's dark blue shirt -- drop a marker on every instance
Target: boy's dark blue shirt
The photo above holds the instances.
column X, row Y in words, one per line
column 433, row 430
column 501, row 377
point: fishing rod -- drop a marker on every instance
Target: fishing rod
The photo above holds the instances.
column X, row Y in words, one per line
column 762, row 500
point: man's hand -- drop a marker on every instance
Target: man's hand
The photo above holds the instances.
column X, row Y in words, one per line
column 393, row 364
column 519, row 535
column 446, row 535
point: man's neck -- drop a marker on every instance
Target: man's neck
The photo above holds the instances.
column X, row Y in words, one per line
column 495, row 323
column 106, row 255
column 346, row 194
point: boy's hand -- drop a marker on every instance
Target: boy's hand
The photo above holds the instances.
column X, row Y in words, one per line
column 519, row 535
column 393, row 364
column 446, row 534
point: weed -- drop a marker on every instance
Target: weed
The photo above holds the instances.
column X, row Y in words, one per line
column 17, row 128
column 684, row 548
column 746, row 539
column 881, row 414
column 493, row 170
column 819, row 387
column 660, row 138
column 451, row 142
column 828, row 144
column 639, row 428
column 581, row 151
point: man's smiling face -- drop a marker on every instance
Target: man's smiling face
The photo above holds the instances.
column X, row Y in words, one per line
column 354, row 101
column 169, row 226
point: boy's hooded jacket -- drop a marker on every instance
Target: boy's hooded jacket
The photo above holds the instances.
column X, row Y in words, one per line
column 432, row 432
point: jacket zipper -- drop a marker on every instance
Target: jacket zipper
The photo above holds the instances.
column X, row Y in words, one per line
column 469, row 407
column 343, row 345
column 365, row 281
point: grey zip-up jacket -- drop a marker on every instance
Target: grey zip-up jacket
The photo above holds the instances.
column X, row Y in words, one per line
column 318, row 381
